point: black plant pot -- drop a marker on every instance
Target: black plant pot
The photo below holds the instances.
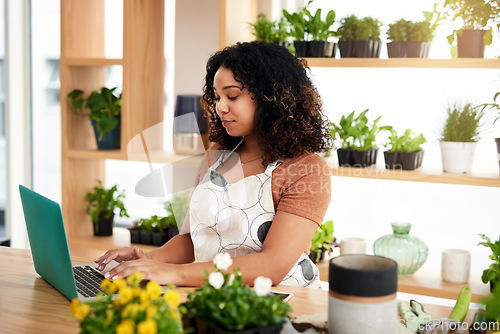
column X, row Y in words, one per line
column 470, row 44
column 396, row 50
column 283, row 44
column 300, row 48
column 345, row 157
column 376, row 48
column 363, row 49
column 408, row 160
column 417, row 49
column 497, row 140
column 317, row 257
column 346, row 48
column 135, row 236
column 159, row 238
column 172, row 232
column 146, row 238
column 317, row 49
column 364, row 158
column 391, row 160
column 111, row 141
column 104, row 226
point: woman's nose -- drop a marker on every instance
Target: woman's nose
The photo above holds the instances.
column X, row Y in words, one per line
column 221, row 107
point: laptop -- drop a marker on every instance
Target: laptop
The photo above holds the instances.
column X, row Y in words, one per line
column 49, row 248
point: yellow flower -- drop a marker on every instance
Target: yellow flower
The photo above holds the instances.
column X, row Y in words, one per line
column 131, row 310
column 74, row 304
column 119, row 283
column 134, row 279
column 154, row 289
column 147, row 327
column 172, row 297
column 108, row 287
column 82, row 311
column 174, row 313
column 126, row 295
column 144, row 298
column 109, row 316
column 151, row 311
column 125, row 327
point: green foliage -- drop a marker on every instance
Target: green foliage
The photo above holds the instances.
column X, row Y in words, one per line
column 495, row 107
column 103, row 202
column 104, row 106
column 156, row 223
column 398, row 31
column 323, row 239
column 179, row 206
column 357, row 132
column 423, row 31
column 355, row 29
column 407, row 142
column 462, row 123
column 234, row 306
column 493, row 272
column 298, row 22
column 492, row 306
column 317, row 28
column 270, row 31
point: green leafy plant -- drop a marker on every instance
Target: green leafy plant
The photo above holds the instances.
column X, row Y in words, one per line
column 155, row 223
column 475, row 14
column 270, row 31
column 422, row 31
column 298, row 22
column 103, row 202
column 462, row 123
column 317, row 28
column 407, row 142
column 228, row 304
column 355, row 29
column 136, row 310
column 493, row 271
column 398, row 31
column 492, row 307
column 494, row 106
column 104, row 106
column 323, row 240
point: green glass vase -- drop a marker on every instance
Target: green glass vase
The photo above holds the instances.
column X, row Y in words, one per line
column 407, row 250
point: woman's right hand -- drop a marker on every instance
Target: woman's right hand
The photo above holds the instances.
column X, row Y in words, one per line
column 120, row 255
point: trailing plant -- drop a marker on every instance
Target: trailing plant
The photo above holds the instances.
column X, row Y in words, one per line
column 494, row 106
column 493, row 271
column 323, row 240
column 104, row 106
column 462, row 123
column 226, row 303
column 407, row 142
column 103, row 202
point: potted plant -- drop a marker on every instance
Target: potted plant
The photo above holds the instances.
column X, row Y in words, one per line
column 319, row 32
column 459, row 138
column 495, row 107
column 104, row 108
column 154, row 230
column 476, row 31
column 102, row 205
column 492, row 274
column 270, row 31
column 323, row 241
column 225, row 305
column 137, row 310
column 358, row 139
column 492, row 311
column 405, row 151
column 359, row 37
column 297, row 22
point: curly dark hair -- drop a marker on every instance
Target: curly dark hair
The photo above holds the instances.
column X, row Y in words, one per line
column 289, row 120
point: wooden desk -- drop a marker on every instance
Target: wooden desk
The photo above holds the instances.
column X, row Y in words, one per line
column 28, row 304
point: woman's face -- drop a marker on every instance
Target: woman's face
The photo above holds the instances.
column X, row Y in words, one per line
column 235, row 107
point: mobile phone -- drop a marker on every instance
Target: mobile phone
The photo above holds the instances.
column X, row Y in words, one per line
column 285, row 296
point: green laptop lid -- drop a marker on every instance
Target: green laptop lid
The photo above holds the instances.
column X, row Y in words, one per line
column 47, row 237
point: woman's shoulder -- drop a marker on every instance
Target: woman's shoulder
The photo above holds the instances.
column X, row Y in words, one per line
column 307, row 164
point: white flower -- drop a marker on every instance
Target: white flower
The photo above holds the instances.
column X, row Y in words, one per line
column 216, row 279
column 230, row 280
column 262, row 285
column 223, row 261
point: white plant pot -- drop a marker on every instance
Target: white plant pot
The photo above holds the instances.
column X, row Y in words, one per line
column 457, row 157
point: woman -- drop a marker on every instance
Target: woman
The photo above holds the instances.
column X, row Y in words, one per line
column 261, row 192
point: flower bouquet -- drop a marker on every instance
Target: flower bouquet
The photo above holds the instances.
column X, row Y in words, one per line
column 225, row 305
column 136, row 310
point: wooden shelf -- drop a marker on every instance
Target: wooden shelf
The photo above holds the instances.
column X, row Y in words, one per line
column 404, row 62
column 419, row 175
column 95, row 154
column 91, row 61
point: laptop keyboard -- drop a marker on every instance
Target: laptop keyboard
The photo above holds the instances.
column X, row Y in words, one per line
column 88, row 280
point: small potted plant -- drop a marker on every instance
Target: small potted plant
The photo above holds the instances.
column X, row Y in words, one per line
column 492, row 311
column 476, row 32
column 322, row 241
column 136, row 310
column 459, row 138
column 154, row 230
column 102, row 205
column 405, row 151
column 492, row 274
column 319, row 32
column 298, row 22
column 270, row 31
column 104, row 108
column 225, row 305
column 359, row 37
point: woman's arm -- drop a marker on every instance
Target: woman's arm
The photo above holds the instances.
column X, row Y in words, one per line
column 286, row 240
